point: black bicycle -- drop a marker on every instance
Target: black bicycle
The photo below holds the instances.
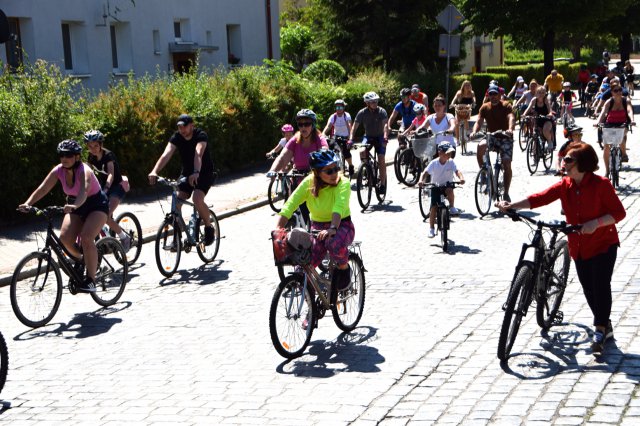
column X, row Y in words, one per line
column 169, row 242
column 543, row 279
column 281, row 185
column 489, row 186
column 36, row 285
column 537, row 150
column 368, row 176
column 4, row 361
column 443, row 216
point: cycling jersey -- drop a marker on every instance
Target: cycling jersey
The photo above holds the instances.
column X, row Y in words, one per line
column 79, row 179
column 330, row 199
column 373, row 121
column 406, row 112
column 554, row 83
column 339, row 124
column 301, row 154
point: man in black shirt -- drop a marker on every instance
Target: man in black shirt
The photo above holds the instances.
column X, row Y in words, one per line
column 197, row 168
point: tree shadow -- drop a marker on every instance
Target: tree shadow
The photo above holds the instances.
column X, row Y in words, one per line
column 347, row 353
column 203, row 275
column 81, row 326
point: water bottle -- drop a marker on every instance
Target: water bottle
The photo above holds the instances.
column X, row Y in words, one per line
column 192, row 224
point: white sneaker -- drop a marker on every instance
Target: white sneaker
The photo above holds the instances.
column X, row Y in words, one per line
column 454, row 211
column 432, row 232
column 126, row 243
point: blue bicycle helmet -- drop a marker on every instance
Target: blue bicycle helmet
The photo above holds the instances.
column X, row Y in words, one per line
column 322, row 158
column 69, row 146
column 307, row 113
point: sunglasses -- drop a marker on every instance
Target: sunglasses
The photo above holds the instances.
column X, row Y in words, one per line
column 616, row 90
column 305, row 124
column 332, row 171
column 568, row 160
column 339, row 107
column 66, row 155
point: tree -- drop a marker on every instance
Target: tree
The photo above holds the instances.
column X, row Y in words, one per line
column 622, row 26
column 539, row 19
column 394, row 34
column 295, row 41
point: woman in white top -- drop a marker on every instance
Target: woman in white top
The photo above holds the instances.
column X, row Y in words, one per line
column 441, row 121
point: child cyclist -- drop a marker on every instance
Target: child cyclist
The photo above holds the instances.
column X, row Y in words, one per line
column 441, row 171
column 287, row 133
column 572, row 133
column 108, row 173
column 566, row 97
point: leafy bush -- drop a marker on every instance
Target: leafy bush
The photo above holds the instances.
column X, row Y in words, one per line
column 326, row 70
column 295, row 41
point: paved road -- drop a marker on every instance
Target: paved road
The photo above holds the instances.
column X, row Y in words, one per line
column 196, row 350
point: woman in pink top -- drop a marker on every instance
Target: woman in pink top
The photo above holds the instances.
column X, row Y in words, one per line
column 86, row 209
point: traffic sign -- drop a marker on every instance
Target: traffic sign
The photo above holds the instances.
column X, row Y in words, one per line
column 450, row 18
column 449, row 46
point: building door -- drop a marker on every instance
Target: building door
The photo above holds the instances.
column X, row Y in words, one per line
column 183, row 62
column 477, row 59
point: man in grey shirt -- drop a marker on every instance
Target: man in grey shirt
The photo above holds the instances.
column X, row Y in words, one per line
column 374, row 119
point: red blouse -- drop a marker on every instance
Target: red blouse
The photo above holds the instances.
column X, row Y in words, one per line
column 592, row 198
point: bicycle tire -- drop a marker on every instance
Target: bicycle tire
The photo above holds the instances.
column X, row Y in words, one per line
column 347, row 306
column 208, row 253
column 131, row 226
column 615, row 158
column 483, row 191
column 111, row 275
column 532, row 155
column 443, row 228
column 379, row 194
column 292, row 307
column 364, row 185
column 498, row 175
column 35, row 299
column 462, row 138
column 523, row 137
column 4, row 361
column 517, row 303
column 547, row 158
column 276, row 193
column 168, row 248
column 548, row 303
column 424, row 201
column 396, row 164
column 412, row 167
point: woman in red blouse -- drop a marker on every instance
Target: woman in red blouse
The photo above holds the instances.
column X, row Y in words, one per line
column 588, row 200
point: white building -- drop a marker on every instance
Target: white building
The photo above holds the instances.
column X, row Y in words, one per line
column 99, row 40
column 482, row 52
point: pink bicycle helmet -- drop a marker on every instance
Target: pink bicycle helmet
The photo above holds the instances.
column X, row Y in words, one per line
column 287, row 128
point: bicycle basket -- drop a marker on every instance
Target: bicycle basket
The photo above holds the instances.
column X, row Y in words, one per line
column 424, row 147
column 612, row 136
column 284, row 253
column 463, row 111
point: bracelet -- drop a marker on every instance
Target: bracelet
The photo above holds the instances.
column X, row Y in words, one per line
column 196, row 172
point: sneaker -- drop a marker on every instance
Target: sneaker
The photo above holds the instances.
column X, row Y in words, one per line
column 506, row 198
column 625, row 158
column 126, row 243
column 454, row 211
column 597, row 344
column 549, row 147
column 87, row 286
column 382, row 189
column 432, row 232
column 342, row 278
column 351, row 170
column 608, row 333
column 208, row 235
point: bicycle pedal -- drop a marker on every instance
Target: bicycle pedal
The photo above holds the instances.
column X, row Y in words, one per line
column 558, row 319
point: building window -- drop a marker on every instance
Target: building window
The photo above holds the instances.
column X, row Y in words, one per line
column 177, row 30
column 234, row 44
column 66, row 45
column 14, row 45
column 114, row 47
column 156, row 42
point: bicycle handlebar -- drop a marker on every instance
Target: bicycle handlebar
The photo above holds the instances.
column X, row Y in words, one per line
column 429, row 185
column 46, row 212
column 498, row 133
column 556, row 226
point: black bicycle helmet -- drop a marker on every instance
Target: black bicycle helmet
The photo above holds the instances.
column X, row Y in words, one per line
column 93, row 135
column 405, row 92
column 307, row 113
column 569, row 130
column 69, row 146
column 322, row 158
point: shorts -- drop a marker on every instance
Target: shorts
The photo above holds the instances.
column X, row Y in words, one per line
column 204, row 183
column 541, row 121
column 503, row 146
column 337, row 246
column 341, row 141
column 97, row 202
column 436, row 192
column 378, row 142
column 116, row 191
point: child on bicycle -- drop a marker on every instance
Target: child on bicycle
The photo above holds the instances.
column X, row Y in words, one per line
column 326, row 193
column 572, row 133
column 441, row 171
column 86, row 210
column 107, row 169
column 566, row 97
column 287, row 133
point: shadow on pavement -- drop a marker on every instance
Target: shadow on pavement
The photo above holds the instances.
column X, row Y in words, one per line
column 386, row 206
column 203, row 275
column 347, row 353
column 455, row 248
column 565, row 342
column 83, row 325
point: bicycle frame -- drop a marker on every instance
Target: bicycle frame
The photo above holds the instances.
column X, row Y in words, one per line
column 493, row 175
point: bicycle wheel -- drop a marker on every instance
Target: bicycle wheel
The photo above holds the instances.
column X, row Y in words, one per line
column 36, row 289
column 412, row 167
column 168, row 248
column 131, row 226
column 276, row 193
column 523, row 137
column 347, row 306
column 397, row 169
column 547, row 158
column 548, row 302
column 4, row 362
column 517, row 303
column 292, row 317
column 208, row 253
column 364, row 185
column 615, row 159
column 483, row 191
column 379, row 194
column 111, row 275
column 443, row 227
column 462, row 139
column 532, row 155
column 424, row 200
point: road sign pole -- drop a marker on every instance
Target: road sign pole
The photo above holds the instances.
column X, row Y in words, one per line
column 446, row 84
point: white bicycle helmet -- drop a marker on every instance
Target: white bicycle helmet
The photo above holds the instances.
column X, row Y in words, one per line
column 371, row 97
column 419, row 108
